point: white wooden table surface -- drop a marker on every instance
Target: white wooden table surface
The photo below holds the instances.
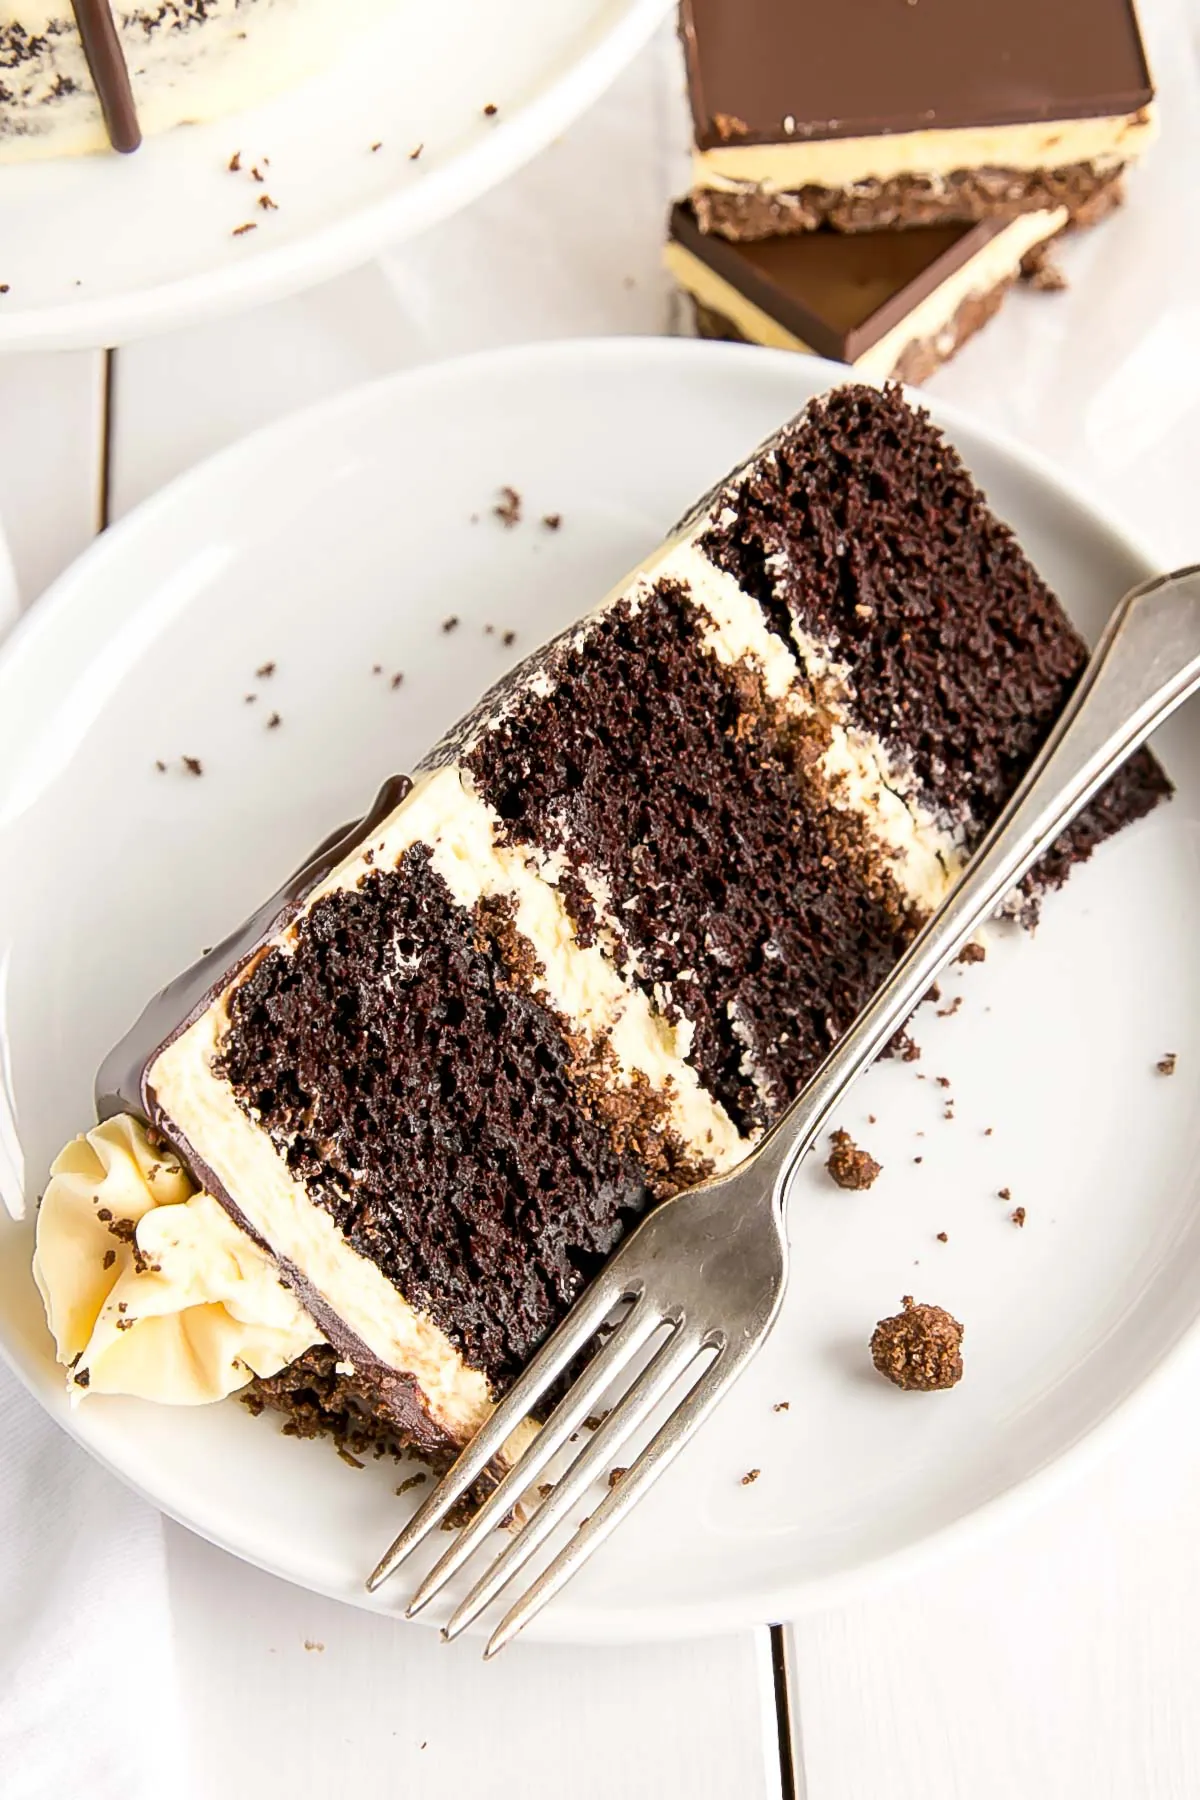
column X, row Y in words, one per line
column 1058, row 1659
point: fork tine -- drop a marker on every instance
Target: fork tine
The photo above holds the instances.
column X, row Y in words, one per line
column 635, row 1330
column 658, row 1455
column 580, row 1324
column 669, row 1362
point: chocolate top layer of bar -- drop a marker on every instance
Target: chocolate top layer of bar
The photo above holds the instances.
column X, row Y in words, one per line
column 771, row 71
column 837, row 292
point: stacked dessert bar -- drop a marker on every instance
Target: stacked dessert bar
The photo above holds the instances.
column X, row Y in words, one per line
column 869, row 181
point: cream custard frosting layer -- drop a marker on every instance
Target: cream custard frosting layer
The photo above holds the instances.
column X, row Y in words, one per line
column 149, row 1287
column 1105, row 143
column 187, row 63
column 997, row 261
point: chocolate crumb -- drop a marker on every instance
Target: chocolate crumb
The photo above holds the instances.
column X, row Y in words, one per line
column 988, row 1130
column 160, row 766
column 249, row 699
column 942, row 1238
column 450, row 624
column 948, row 1012
column 594, row 1421
column 257, row 173
column 545, row 1489
column 1040, row 271
column 1005, row 1193
column 274, row 721
column 508, row 508
column 616, row 1475
column 489, row 631
column 83, row 1378
column 490, row 110
column 376, row 146
column 347, row 1458
column 919, row 1348
column 104, row 1214
column 414, row 155
column 398, row 679
column 126, row 1324
column 193, row 765
column 241, row 230
column 750, row 1475
column 267, row 204
column 235, row 162
column 551, row 521
column 949, row 1112
column 972, row 953
column 1166, row 1064
column 311, row 1644
column 377, row 668
column 509, row 639
column 918, row 1159
column 942, row 1080
column 1017, row 1215
column 110, row 1257
column 850, row 1166
column 782, row 1406
column 934, row 994
column 909, row 1049
column 871, row 1120
column 265, row 671
column 412, row 1481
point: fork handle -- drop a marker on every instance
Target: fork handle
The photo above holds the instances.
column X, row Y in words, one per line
column 1145, row 665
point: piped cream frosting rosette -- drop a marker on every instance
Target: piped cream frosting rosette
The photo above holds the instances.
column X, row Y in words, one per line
column 149, row 1288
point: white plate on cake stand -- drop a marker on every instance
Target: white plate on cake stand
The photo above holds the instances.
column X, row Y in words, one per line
column 343, row 538
column 100, row 249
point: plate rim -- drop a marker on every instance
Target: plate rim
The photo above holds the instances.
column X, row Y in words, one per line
column 348, row 242
column 567, row 1623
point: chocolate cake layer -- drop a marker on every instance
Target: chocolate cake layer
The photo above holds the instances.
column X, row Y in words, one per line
column 864, row 534
column 424, row 1099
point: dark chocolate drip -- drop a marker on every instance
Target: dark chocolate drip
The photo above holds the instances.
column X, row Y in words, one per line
column 110, row 73
column 120, row 1084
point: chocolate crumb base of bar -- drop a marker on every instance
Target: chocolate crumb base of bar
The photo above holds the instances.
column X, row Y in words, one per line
column 966, row 196
column 920, row 358
column 316, row 1399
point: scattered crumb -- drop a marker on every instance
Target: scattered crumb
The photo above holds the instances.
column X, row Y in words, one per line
column 1166, row 1064
column 948, row 1012
column 267, row 204
column 850, row 1166
column 415, row 155
column 274, row 721
column 490, row 110
column 545, row 1489
column 552, row 521
column 910, row 1050
column 311, row 1644
column 1017, row 1215
column 949, row 1112
column 509, row 639
column 1005, row 1193
column 871, row 1120
column 972, row 953
column 448, row 1525
column 987, row 1130
column 193, row 765
column 377, row 668
column 918, row 1159
column 616, row 1475
column 160, row 766
column 241, row 230
column 347, row 1458
column 942, row 1238
column 377, row 145
column 728, row 126
column 489, row 631
column 266, row 671
column 450, row 624
column 235, row 162
column 110, row 1257
column 934, row 994
column 257, row 173
column 249, row 699
column 398, row 679
column 750, row 1475
column 942, row 1080
column 6, row 289
column 508, row 508
column 782, row 1406
column 919, row 1348
column 594, row 1421
column 412, row 1481
column 1041, row 272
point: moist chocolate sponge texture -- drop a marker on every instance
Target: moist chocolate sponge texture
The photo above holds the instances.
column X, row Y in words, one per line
column 852, row 68
column 423, row 1098
column 864, row 531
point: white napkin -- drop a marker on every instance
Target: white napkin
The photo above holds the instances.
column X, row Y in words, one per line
column 88, row 1701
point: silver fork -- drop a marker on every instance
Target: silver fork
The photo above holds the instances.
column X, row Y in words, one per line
column 707, row 1269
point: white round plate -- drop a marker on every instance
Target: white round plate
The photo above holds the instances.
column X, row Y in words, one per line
column 344, row 538
column 100, row 249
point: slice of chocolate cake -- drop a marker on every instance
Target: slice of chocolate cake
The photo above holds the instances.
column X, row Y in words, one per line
column 618, row 916
column 890, row 303
column 884, row 114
